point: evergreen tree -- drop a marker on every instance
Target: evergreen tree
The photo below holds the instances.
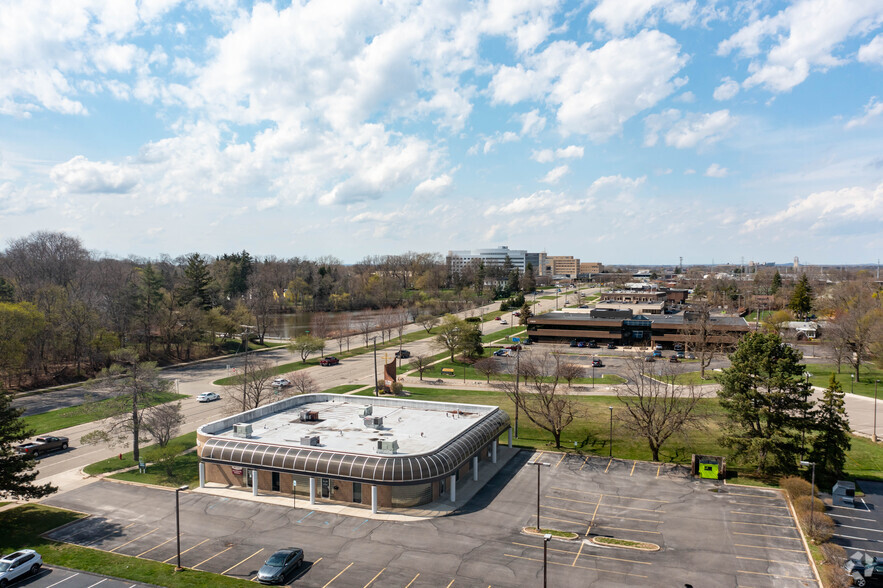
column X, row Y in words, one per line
column 17, row 472
column 528, row 281
column 832, row 441
column 149, row 299
column 801, row 298
column 526, row 313
column 240, row 268
column 197, row 281
column 480, row 274
column 7, row 290
column 513, row 284
column 764, row 394
column 777, row 282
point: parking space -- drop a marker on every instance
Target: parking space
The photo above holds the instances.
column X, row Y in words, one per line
column 709, row 534
column 861, row 528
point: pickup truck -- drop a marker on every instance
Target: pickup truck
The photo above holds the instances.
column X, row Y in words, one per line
column 42, row 445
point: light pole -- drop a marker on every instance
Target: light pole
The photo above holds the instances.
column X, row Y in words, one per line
column 517, row 397
column 874, row 436
column 806, row 376
column 852, row 386
column 245, row 371
column 593, row 371
column 546, row 538
column 611, row 431
column 539, row 464
column 374, row 339
column 178, row 523
column 812, row 493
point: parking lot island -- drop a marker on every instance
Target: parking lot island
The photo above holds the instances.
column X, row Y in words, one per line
column 389, row 453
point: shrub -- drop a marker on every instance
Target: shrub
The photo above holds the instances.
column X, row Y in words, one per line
column 795, row 486
column 802, row 504
column 833, row 554
column 822, row 526
column 834, row 576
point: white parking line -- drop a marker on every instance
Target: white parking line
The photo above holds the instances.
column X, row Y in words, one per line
column 861, row 528
column 63, row 580
column 866, row 504
column 855, row 518
column 858, row 538
column 98, row 582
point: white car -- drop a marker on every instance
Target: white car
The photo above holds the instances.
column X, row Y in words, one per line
column 19, row 564
column 503, row 322
column 208, row 397
column 281, row 383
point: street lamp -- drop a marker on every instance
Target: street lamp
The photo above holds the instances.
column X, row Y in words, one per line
column 852, row 386
column 546, row 538
column 874, row 436
column 812, row 493
column 593, row 371
column 517, row 397
column 611, row 431
column 178, row 523
column 376, row 393
column 539, row 464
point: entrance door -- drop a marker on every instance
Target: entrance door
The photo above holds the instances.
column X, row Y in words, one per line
column 275, row 482
column 357, row 493
column 326, row 488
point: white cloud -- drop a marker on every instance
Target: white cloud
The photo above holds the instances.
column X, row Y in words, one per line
column 872, row 52
column 617, row 16
column 727, row 90
column 83, row 176
column 873, row 109
column 847, row 210
column 615, row 185
column 805, row 37
column 543, row 156
column 555, row 174
column 689, row 130
column 570, row 152
column 498, row 138
column 595, row 91
column 434, row 186
column 686, row 97
column 532, row 123
column 716, row 171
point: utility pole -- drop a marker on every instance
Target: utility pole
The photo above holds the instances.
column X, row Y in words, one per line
column 517, row 375
column 245, row 371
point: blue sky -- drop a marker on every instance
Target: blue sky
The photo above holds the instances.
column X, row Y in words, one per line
column 621, row 131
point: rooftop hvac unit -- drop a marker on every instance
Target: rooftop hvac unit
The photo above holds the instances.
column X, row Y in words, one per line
column 310, row 440
column 387, row 446
column 374, row 422
column 309, row 415
column 242, row 430
column 367, row 411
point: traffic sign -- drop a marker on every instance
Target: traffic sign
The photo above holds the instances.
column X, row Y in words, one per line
column 516, row 339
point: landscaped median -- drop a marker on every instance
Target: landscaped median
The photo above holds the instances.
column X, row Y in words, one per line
column 564, row 535
column 172, row 466
column 24, row 527
column 625, row 543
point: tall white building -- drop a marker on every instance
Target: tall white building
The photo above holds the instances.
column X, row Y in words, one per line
column 457, row 260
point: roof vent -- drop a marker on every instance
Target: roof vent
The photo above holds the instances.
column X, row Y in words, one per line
column 242, row 430
column 310, row 441
column 390, row 446
column 309, row 415
column 367, row 411
column 374, row 422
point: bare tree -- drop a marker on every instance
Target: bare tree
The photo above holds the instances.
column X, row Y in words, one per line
column 700, row 336
column 488, row 366
column 655, row 407
column 427, row 321
column 570, row 371
column 306, row 345
column 135, row 388
column 163, row 422
column 365, row 324
column 539, row 395
column 421, row 363
column 302, row 383
column 250, row 390
column 387, row 323
column 857, row 323
column 401, row 321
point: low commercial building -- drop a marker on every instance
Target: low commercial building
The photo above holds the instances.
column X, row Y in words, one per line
column 623, row 327
column 386, row 452
column 565, row 266
column 590, row 267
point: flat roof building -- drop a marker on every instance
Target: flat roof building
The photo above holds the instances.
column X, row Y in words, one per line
column 457, row 260
column 386, row 452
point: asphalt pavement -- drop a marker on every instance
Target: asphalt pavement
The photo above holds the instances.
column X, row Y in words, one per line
column 52, row 576
column 860, row 528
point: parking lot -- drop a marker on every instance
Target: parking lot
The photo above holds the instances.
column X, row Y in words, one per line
column 53, row 576
column 861, row 528
column 733, row 536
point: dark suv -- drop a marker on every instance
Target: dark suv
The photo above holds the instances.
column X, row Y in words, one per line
column 862, row 567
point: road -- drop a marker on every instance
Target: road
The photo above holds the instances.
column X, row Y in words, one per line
column 62, row 469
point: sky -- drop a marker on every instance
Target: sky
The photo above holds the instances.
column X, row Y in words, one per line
column 619, row 131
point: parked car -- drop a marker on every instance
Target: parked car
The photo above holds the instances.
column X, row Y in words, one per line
column 597, row 363
column 208, row 397
column 681, row 355
column 691, row 356
column 573, row 343
column 673, row 359
column 658, row 347
column 657, row 353
column 403, row 354
column 278, row 566
column 649, row 359
column 526, row 342
column 281, row 383
column 581, row 344
column 863, row 567
column 501, row 353
column 516, row 313
column 43, row 445
column 330, row 360
column 514, row 347
column 19, row 564
column 611, row 346
column 592, row 345
column 679, row 347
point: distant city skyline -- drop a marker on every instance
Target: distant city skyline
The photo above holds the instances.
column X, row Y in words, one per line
column 620, row 132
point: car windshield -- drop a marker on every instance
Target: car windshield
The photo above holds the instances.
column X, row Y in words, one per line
column 4, row 566
column 277, row 559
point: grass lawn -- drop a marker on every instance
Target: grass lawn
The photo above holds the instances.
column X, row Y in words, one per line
column 821, row 376
column 71, row 416
column 111, row 464
column 503, row 333
column 23, row 526
column 695, row 379
column 184, row 470
column 546, row 298
column 343, row 388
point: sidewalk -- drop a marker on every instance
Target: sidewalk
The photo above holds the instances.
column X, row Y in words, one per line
column 467, row 488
